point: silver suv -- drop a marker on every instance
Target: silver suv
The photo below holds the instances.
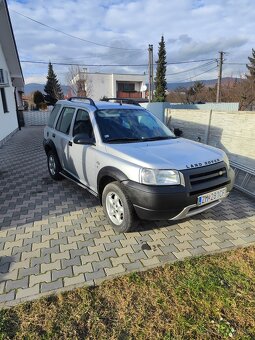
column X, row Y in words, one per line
column 133, row 163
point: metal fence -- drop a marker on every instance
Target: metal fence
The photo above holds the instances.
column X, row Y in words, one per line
column 34, row 118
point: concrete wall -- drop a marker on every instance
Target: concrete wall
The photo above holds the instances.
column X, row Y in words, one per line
column 234, row 132
column 157, row 109
column 207, row 106
column 8, row 120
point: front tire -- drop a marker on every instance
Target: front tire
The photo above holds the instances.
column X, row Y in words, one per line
column 54, row 166
column 118, row 208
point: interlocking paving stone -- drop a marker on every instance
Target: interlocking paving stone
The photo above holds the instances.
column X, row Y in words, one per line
column 101, row 264
column 56, row 274
column 27, row 292
column 74, row 280
column 34, row 279
column 7, row 297
column 75, row 261
column 25, row 272
column 115, row 270
column 14, row 284
column 40, row 260
column 107, row 254
column 52, row 286
column 85, row 268
column 95, row 275
column 133, row 266
column 55, row 235
column 50, row 266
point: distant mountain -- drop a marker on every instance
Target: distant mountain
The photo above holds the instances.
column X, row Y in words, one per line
column 32, row 87
column 208, row 83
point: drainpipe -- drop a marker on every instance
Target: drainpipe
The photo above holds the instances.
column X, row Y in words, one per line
column 17, row 111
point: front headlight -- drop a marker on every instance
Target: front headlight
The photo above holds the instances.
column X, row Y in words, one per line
column 159, row 177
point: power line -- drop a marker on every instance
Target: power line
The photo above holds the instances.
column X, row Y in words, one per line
column 234, row 63
column 191, row 69
column 102, row 65
column 189, row 61
column 73, row 36
column 77, row 64
column 181, row 81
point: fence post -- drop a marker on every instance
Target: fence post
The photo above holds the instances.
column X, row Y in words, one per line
column 207, row 133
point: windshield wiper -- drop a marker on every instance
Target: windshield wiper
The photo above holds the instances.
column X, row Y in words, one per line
column 123, row 139
column 158, row 138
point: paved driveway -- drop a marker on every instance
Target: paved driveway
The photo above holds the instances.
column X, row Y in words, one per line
column 54, row 235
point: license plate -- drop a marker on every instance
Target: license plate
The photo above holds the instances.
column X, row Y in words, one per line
column 211, row 196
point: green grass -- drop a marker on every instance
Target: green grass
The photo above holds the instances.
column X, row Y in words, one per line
column 210, row 297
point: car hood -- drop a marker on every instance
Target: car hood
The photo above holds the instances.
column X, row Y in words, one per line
column 176, row 154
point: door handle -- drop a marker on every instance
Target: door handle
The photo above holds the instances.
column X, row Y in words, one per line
column 70, row 143
column 53, row 135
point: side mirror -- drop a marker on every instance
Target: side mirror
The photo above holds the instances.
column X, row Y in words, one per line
column 178, row 132
column 84, row 139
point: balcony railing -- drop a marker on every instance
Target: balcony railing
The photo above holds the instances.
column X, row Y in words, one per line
column 122, row 94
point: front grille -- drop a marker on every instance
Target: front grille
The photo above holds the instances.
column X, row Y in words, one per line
column 206, row 178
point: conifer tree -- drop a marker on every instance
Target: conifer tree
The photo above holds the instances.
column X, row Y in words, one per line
column 160, row 80
column 251, row 67
column 52, row 87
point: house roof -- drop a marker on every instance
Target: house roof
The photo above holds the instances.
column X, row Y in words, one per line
column 8, row 44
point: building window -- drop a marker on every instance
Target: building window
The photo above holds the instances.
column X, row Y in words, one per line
column 5, row 107
column 126, row 87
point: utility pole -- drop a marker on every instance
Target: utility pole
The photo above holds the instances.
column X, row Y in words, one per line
column 220, row 63
column 150, row 49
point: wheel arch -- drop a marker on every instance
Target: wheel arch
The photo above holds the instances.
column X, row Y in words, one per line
column 49, row 145
column 107, row 175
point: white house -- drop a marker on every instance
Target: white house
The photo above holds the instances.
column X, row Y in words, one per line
column 111, row 85
column 11, row 77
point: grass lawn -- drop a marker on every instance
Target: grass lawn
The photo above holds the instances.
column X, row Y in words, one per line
column 211, row 297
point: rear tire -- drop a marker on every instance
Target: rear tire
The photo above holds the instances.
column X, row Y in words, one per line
column 118, row 208
column 54, row 166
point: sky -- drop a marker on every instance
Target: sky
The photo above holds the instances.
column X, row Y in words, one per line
column 193, row 30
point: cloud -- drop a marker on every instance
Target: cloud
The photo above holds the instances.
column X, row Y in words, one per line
column 193, row 29
column 36, row 79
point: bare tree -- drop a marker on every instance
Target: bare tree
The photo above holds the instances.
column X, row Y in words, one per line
column 177, row 96
column 78, row 81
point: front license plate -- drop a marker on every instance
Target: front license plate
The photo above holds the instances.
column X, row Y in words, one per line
column 211, row 196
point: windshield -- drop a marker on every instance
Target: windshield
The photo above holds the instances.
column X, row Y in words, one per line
column 130, row 125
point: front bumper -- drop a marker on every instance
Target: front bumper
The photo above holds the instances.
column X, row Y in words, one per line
column 176, row 202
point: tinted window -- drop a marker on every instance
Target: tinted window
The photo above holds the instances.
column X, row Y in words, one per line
column 53, row 115
column 65, row 120
column 83, row 124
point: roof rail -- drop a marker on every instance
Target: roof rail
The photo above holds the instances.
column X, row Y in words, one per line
column 91, row 101
column 122, row 101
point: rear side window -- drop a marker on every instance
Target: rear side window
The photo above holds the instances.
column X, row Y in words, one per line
column 53, row 115
column 83, row 124
column 65, row 120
